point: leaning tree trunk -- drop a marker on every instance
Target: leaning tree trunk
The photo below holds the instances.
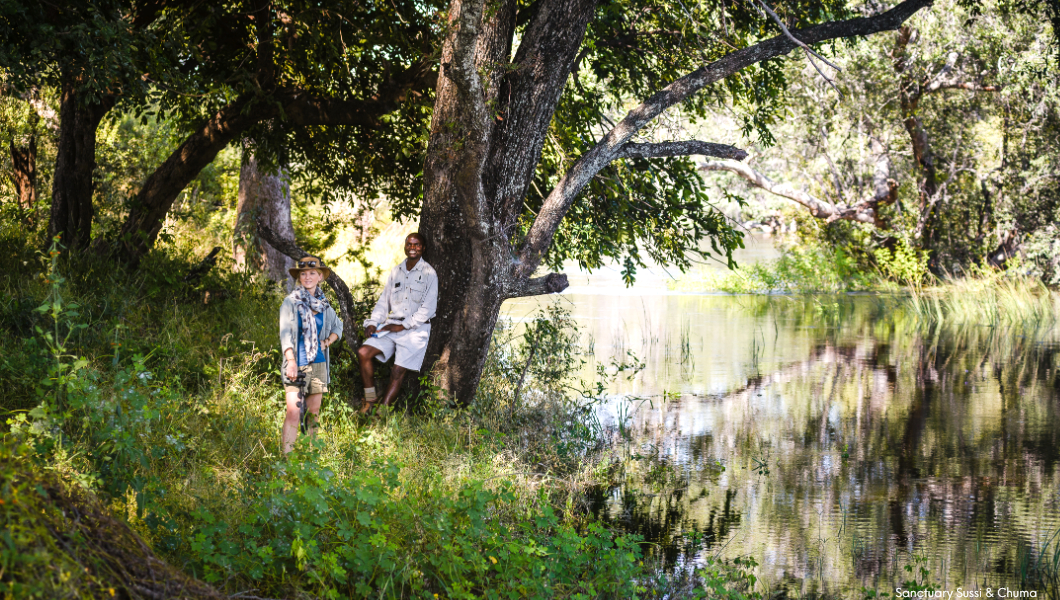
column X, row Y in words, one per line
column 266, row 197
column 75, row 160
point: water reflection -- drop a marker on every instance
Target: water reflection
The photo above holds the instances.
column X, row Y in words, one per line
column 832, row 439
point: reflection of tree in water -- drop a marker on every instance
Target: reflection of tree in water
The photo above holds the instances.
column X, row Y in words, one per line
column 883, row 442
column 664, row 521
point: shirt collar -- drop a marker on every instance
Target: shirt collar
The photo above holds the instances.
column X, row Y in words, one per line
column 404, row 265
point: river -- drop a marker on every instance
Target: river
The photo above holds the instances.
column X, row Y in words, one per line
column 831, row 438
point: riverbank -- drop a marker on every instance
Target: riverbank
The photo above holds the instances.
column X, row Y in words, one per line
column 982, row 296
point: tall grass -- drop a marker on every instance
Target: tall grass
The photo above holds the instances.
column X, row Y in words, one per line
column 986, row 298
column 1040, row 570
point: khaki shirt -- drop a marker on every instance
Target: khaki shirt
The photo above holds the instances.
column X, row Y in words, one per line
column 409, row 298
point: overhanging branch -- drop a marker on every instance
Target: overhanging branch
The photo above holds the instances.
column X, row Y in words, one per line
column 553, row 283
column 301, row 108
column 560, row 199
column 685, row 148
column 862, row 212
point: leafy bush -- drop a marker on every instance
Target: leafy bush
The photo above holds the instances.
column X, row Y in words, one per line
column 60, row 542
column 904, row 264
column 339, row 538
column 799, row 270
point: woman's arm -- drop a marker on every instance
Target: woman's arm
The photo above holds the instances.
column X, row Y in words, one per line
column 288, row 329
column 288, row 335
column 336, row 328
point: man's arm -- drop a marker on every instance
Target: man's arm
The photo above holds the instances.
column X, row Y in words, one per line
column 429, row 306
column 382, row 307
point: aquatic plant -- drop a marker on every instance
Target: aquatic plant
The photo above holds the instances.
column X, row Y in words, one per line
column 984, row 297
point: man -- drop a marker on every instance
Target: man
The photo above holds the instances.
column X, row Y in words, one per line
column 400, row 322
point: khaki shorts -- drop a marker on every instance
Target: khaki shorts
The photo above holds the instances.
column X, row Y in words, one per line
column 316, row 376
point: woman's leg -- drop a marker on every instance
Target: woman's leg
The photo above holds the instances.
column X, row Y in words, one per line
column 290, row 422
column 312, row 402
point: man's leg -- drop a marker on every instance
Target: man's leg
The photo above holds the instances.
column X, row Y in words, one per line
column 397, row 375
column 289, row 432
column 366, row 354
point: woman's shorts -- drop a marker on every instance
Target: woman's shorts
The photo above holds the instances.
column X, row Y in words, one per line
column 409, row 344
column 316, row 377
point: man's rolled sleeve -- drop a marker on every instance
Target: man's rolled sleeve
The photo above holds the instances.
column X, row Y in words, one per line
column 429, row 306
column 382, row 307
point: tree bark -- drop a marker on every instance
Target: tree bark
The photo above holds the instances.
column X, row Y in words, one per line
column 263, row 197
column 24, row 170
column 75, row 161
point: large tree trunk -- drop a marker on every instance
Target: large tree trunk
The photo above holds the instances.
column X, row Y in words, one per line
column 466, row 243
column 75, row 161
column 266, row 197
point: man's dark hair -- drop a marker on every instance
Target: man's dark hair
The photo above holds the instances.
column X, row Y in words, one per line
column 419, row 237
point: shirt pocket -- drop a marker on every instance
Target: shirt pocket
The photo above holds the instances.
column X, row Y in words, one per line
column 417, row 289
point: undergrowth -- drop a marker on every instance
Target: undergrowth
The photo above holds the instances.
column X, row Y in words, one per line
column 162, row 407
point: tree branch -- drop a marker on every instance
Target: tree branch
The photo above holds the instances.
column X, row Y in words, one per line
column 304, row 109
column 685, row 148
column 342, row 291
column 809, row 51
column 559, row 201
column 862, row 212
column 553, row 283
column 964, row 85
column 165, row 183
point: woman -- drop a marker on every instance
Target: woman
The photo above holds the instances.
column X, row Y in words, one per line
column 308, row 326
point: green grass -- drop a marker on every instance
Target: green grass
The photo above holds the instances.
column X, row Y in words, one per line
column 980, row 296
